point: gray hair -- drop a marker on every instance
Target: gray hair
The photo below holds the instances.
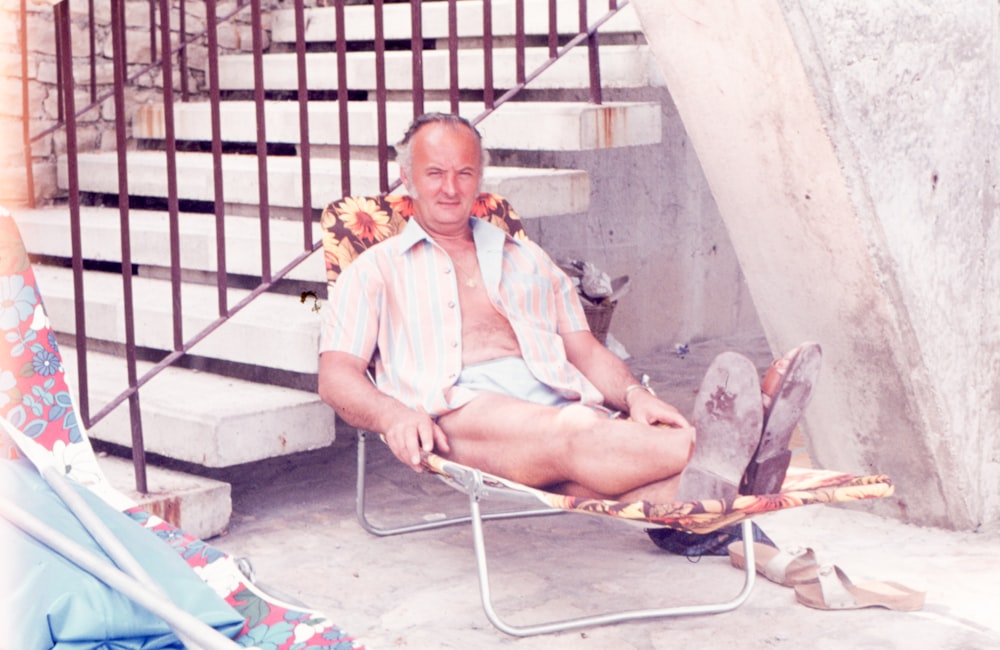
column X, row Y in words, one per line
column 404, row 148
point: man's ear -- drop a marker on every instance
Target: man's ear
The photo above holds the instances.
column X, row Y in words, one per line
column 404, row 179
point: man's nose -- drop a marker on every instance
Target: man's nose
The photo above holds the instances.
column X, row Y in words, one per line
column 450, row 183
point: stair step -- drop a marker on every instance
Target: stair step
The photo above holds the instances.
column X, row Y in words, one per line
column 524, row 126
column 46, row 232
column 272, row 331
column 622, row 66
column 197, row 505
column 321, row 22
column 533, row 192
column 202, row 418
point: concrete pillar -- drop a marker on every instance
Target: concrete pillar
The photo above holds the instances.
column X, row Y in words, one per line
column 851, row 150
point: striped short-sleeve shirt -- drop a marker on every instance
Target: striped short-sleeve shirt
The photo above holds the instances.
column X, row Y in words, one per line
column 397, row 304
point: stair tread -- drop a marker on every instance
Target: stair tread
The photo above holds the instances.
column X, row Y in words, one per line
column 274, row 330
column 565, row 126
column 205, row 418
column 46, row 232
column 321, row 21
column 198, row 392
column 535, row 192
column 622, row 66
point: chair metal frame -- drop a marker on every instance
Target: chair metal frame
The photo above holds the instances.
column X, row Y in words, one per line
column 471, row 481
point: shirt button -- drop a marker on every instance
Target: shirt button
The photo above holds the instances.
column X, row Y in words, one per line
column 454, row 344
column 447, row 270
column 451, row 304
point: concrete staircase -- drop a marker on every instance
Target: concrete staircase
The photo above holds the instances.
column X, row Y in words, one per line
column 247, row 392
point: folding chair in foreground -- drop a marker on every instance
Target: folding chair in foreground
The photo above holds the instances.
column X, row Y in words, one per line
column 351, row 225
column 39, row 431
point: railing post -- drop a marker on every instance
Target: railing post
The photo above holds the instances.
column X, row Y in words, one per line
column 68, row 104
column 593, row 56
column 553, row 30
column 520, row 41
column 257, row 29
column 342, row 98
column 60, row 59
column 182, row 56
column 303, row 98
column 93, row 46
column 453, row 94
column 380, row 98
column 417, row 48
column 219, row 206
column 488, row 90
column 29, row 170
column 170, row 140
column 128, row 304
column 152, row 29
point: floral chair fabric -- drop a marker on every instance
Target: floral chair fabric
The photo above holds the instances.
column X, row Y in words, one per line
column 801, row 487
column 354, row 223
column 39, row 422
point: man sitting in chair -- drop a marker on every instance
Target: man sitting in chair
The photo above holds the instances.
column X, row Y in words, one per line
column 483, row 355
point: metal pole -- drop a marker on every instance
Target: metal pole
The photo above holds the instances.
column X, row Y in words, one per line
column 303, row 97
column 219, row 206
column 259, row 98
column 128, row 303
column 344, row 144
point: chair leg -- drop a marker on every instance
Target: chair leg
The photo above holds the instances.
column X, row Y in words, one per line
column 360, row 506
column 599, row 619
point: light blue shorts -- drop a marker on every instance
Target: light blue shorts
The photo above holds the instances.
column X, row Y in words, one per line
column 510, row 376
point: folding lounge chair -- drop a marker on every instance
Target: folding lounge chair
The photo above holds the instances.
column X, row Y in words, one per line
column 350, row 226
column 38, row 422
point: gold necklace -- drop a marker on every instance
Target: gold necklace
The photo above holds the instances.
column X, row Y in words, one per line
column 470, row 278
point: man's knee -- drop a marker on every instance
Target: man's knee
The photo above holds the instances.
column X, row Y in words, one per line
column 574, row 420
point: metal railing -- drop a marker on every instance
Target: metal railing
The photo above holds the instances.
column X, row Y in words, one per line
column 169, row 54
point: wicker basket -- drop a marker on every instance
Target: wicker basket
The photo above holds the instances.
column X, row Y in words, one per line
column 599, row 318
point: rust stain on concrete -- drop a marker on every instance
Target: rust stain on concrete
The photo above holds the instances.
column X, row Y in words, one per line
column 167, row 509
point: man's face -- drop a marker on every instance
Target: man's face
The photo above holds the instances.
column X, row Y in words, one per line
column 444, row 181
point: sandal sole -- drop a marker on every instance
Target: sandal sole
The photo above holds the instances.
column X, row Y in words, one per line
column 727, row 419
column 766, row 471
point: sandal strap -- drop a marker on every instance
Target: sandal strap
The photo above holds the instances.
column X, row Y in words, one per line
column 776, row 569
column 835, row 584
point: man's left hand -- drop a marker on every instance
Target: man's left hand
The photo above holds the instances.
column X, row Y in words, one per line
column 644, row 407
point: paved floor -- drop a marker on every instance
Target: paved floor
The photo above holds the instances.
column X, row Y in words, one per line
column 294, row 518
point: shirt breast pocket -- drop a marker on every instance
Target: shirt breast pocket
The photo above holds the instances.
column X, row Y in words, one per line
column 530, row 300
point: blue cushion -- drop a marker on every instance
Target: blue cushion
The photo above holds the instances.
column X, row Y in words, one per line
column 53, row 603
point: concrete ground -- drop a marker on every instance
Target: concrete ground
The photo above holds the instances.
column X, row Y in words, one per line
column 294, row 518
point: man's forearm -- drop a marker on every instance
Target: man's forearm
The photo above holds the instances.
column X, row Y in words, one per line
column 602, row 367
column 347, row 388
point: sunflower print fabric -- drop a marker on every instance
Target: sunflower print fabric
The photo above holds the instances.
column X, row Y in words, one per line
column 353, row 224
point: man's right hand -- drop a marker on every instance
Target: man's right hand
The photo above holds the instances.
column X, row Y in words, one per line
column 410, row 435
column 344, row 385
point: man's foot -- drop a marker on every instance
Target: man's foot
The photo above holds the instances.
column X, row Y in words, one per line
column 785, row 392
column 727, row 421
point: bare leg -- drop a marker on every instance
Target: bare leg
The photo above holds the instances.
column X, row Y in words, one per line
column 664, row 491
column 544, row 445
